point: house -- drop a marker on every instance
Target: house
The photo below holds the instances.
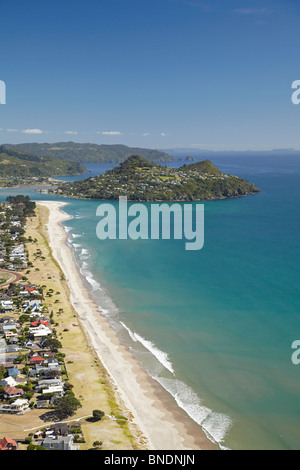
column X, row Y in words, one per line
column 42, row 403
column 8, row 382
column 9, row 333
column 13, row 372
column 40, row 332
column 38, row 434
column 13, row 392
column 36, row 360
column 8, row 444
column 34, row 305
column 31, row 344
column 60, row 429
column 13, row 341
column 46, row 383
column 39, row 322
column 10, row 328
column 20, row 406
column 52, row 363
column 43, row 369
column 7, row 365
column 7, row 305
column 59, row 389
column 59, row 443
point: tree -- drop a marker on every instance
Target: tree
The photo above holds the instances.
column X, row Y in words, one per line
column 98, row 415
column 97, row 444
column 67, row 405
column 52, row 343
column 2, row 372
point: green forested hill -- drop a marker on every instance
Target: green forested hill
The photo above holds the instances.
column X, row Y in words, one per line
column 90, row 153
column 15, row 163
column 141, row 180
column 205, row 166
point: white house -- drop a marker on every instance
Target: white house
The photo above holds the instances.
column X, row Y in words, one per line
column 8, row 382
column 40, row 331
column 20, row 406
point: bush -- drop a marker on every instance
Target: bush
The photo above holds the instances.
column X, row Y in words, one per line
column 98, row 414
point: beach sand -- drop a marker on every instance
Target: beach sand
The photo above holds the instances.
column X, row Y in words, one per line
column 152, row 410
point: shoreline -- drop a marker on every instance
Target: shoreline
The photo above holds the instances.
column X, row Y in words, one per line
column 148, row 404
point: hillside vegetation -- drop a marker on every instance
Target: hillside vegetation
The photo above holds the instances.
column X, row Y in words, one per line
column 16, row 163
column 90, row 153
column 141, row 180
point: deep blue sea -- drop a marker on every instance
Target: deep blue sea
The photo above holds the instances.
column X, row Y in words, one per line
column 214, row 326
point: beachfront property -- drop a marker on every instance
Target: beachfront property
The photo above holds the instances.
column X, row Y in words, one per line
column 31, row 374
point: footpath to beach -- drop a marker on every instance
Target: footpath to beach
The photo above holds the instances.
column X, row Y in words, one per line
column 154, row 419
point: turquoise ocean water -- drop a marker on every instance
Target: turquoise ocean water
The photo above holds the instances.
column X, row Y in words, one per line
column 214, row 326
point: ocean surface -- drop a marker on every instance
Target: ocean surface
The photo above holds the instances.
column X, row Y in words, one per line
column 214, row 326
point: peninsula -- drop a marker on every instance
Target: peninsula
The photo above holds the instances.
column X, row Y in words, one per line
column 141, row 180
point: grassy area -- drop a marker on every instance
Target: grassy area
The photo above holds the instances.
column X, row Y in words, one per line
column 91, row 384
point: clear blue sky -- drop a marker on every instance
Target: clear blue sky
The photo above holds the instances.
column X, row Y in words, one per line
column 154, row 73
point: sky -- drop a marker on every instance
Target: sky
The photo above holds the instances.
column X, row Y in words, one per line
column 207, row 74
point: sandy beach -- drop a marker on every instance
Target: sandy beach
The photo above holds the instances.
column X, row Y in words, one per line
column 162, row 423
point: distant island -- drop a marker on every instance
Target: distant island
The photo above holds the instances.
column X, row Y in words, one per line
column 89, row 153
column 141, row 180
column 16, row 166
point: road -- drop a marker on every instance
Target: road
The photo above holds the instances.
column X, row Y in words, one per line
column 14, row 277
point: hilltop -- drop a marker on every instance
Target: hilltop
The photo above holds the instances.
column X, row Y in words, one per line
column 89, row 153
column 141, row 180
column 15, row 163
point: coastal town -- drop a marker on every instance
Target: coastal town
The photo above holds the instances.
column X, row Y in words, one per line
column 38, row 405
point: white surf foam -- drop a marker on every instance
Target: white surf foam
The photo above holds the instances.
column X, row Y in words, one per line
column 76, row 235
column 215, row 425
column 76, row 246
column 95, row 285
column 161, row 356
column 85, row 254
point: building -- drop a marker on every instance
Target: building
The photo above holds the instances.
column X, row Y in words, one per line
column 8, row 444
column 19, row 407
column 12, row 392
column 59, row 443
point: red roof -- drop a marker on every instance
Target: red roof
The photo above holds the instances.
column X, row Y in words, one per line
column 6, row 443
column 40, row 322
column 36, row 359
column 13, row 390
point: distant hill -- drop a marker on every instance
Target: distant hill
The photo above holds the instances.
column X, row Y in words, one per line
column 206, row 166
column 141, row 180
column 90, row 153
column 16, row 163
